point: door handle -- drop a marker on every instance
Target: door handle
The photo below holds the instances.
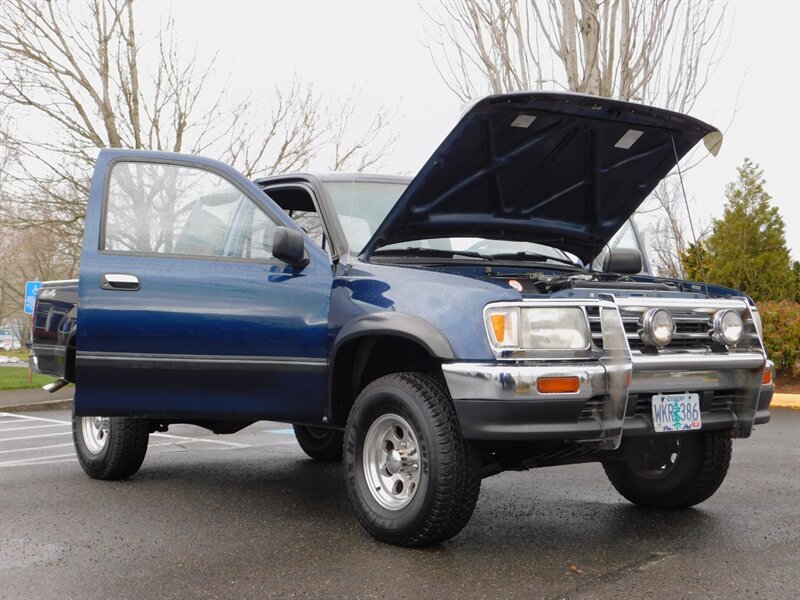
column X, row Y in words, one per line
column 119, row 281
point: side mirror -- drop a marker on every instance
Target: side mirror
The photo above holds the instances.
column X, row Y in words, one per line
column 623, row 260
column 287, row 245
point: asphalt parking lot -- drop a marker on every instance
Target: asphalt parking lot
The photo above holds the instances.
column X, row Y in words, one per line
column 249, row 516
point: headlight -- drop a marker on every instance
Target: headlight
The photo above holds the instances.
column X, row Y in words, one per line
column 556, row 328
column 726, row 327
column 656, row 327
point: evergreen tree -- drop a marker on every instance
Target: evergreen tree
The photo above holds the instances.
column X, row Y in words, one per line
column 690, row 261
column 796, row 272
column 748, row 247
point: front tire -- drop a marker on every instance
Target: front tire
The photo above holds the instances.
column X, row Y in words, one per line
column 411, row 477
column 670, row 471
column 110, row 447
column 320, row 444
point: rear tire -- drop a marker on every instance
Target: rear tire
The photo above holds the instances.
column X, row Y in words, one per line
column 670, row 472
column 110, row 447
column 320, row 444
column 411, row 477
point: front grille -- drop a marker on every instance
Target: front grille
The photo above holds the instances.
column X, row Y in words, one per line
column 592, row 407
column 691, row 325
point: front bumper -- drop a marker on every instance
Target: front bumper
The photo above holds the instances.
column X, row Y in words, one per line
column 500, row 401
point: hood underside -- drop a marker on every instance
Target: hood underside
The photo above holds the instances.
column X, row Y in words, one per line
column 564, row 170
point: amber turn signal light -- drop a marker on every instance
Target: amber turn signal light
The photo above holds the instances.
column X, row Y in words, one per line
column 767, row 378
column 499, row 327
column 558, row 385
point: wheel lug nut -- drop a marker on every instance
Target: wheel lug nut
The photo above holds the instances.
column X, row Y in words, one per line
column 415, row 466
column 408, row 477
column 403, row 445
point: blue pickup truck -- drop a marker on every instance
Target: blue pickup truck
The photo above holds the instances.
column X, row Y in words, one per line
column 493, row 313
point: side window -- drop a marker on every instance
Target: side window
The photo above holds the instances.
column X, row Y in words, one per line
column 252, row 234
column 311, row 224
column 171, row 209
column 297, row 202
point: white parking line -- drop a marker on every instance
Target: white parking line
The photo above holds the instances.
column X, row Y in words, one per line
column 34, row 437
column 280, row 443
column 24, row 422
column 31, row 462
column 32, row 427
column 17, row 416
column 197, row 439
column 36, row 448
column 32, row 418
column 11, row 463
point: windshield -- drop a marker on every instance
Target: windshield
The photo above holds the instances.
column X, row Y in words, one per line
column 363, row 205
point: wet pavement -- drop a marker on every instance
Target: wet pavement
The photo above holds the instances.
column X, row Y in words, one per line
column 249, row 516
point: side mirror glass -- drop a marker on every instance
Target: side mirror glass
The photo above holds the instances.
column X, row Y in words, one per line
column 288, row 246
column 623, row 260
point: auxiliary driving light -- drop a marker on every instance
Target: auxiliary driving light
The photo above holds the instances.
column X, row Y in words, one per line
column 656, row 327
column 726, row 327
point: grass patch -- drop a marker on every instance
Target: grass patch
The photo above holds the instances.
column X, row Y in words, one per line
column 20, row 354
column 16, row 378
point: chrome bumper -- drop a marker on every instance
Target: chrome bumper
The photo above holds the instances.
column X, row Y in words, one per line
column 499, row 401
column 481, row 381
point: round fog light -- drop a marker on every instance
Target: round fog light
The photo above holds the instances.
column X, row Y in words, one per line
column 656, row 327
column 727, row 327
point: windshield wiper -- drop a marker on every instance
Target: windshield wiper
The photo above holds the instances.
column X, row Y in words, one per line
column 434, row 252
column 534, row 255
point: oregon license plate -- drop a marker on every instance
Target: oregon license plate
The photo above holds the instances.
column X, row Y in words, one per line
column 676, row 412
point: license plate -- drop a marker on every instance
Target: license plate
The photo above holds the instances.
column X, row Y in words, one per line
column 676, row 412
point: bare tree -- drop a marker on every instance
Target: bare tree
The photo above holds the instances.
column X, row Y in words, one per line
column 659, row 52
column 87, row 79
column 359, row 150
column 300, row 130
column 667, row 233
column 654, row 51
column 35, row 253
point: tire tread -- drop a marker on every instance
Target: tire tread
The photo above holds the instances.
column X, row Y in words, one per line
column 459, row 483
column 327, row 450
column 127, row 447
column 709, row 475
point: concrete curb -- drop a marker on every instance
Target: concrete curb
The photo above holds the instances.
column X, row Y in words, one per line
column 785, row 401
column 31, row 406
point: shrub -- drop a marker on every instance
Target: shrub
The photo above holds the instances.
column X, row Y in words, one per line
column 781, row 322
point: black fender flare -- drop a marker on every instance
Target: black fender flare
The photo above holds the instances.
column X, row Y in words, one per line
column 402, row 325
column 409, row 327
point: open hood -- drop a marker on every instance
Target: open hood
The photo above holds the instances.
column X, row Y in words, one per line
column 564, row 170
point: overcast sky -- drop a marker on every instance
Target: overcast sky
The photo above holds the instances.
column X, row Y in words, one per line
column 377, row 47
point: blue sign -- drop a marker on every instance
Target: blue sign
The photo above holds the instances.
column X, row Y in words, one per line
column 31, row 289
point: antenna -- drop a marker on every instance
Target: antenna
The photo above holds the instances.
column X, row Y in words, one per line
column 689, row 214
